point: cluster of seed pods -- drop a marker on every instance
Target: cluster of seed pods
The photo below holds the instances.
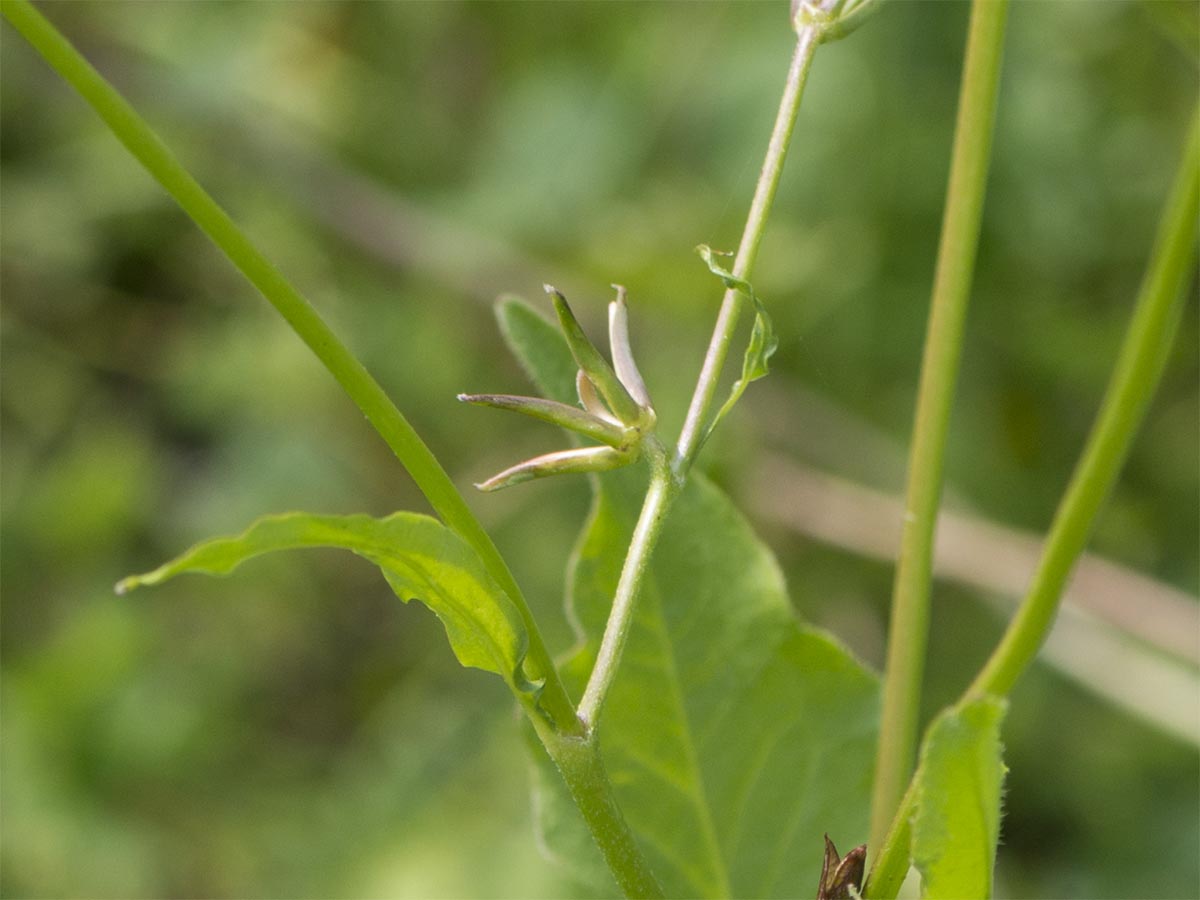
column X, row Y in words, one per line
column 615, row 408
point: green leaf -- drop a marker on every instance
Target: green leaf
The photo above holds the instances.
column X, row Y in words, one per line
column 957, row 820
column 763, row 340
column 734, row 736
column 420, row 558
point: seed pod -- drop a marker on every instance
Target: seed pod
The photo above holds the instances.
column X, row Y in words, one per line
column 605, row 430
column 616, row 406
column 593, row 363
column 622, row 353
column 578, row 459
column 841, row 878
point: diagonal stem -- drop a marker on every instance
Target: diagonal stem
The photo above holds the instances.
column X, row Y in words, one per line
column 137, row 136
column 1137, row 372
column 552, row 714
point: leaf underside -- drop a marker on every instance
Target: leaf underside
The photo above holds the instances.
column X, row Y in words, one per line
column 734, row 736
column 420, row 558
column 957, row 820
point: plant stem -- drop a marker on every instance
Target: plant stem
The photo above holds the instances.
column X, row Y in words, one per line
column 692, row 434
column 137, row 136
column 894, row 853
column 582, row 767
column 1136, row 375
column 939, row 369
column 658, row 500
column 668, row 479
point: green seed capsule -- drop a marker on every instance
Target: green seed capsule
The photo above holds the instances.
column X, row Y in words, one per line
column 577, row 459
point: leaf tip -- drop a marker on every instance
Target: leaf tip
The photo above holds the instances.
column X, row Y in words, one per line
column 706, row 252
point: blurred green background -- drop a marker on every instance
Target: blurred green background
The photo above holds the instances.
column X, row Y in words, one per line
column 294, row 731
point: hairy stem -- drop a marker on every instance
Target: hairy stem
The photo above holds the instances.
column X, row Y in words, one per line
column 137, row 136
column 1137, row 372
column 668, row 479
column 692, row 435
column 909, row 626
column 582, row 768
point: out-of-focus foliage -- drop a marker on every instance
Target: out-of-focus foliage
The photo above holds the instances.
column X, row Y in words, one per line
column 295, row 731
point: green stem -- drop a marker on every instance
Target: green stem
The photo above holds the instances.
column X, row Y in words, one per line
column 667, row 479
column 895, row 852
column 658, row 501
column 582, row 768
column 426, row 471
column 692, row 435
column 939, row 369
column 1136, row 375
column 1137, row 372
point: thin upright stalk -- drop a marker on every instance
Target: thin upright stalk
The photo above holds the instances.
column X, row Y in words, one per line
column 668, row 479
column 137, row 136
column 908, row 631
column 1136, row 375
column 691, row 436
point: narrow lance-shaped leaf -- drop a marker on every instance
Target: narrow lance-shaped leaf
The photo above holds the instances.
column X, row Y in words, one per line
column 420, row 558
column 763, row 340
column 957, row 820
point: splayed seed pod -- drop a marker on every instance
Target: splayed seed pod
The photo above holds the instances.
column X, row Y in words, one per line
column 593, row 363
column 606, row 430
column 579, row 459
column 616, row 406
column 622, row 353
column 841, row 877
column 591, row 400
